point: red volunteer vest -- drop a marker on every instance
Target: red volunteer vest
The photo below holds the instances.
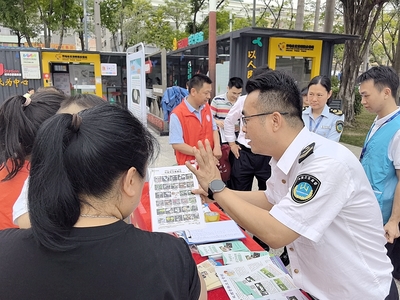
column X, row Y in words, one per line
column 192, row 129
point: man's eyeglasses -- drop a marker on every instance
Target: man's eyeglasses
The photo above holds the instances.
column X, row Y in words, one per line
column 244, row 118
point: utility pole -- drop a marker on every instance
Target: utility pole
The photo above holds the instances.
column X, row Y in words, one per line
column 85, row 25
column 97, row 25
column 254, row 14
column 212, row 43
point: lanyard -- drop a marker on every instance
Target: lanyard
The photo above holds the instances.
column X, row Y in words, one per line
column 369, row 132
column 317, row 124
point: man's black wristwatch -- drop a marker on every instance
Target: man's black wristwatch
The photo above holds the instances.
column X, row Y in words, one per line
column 215, row 186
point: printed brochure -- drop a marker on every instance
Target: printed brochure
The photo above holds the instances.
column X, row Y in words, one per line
column 173, row 206
column 257, row 278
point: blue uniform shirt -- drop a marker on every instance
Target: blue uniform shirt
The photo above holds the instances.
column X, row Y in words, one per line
column 329, row 124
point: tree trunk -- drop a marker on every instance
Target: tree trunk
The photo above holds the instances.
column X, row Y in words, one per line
column 61, row 40
column 47, row 39
column 28, row 40
column 45, row 32
column 115, row 41
column 396, row 62
column 316, row 17
column 351, row 63
column 299, row 15
column 81, row 38
column 359, row 18
column 19, row 38
column 194, row 23
column 62, row 25
column 329, row 15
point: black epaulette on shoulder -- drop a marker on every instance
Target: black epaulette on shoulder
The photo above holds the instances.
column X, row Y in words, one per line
column 306, row 152
column 335, row 111
column 304, row 108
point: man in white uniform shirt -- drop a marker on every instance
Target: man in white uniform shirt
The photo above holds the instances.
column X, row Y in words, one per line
column 318, row 202
column 245, row 164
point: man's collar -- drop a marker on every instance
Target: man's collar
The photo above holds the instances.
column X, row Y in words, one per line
column 292, row 152
column 190, row 107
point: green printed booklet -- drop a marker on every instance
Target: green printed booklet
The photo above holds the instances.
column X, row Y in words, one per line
column 235, row 257
column 258, row 278
column 216, row 249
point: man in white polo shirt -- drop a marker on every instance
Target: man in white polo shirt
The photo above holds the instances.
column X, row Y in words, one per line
column 318, row 203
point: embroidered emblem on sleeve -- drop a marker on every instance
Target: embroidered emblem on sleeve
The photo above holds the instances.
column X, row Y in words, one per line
column 335, row 111
column 305, row 188
column 306, row 152
column 339, row 126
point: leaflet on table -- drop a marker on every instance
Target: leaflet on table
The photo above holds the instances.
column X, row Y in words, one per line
column 173, row 206
column 235, row 257
column 218, row 248
column 258, row 278
column 207, row 271
column 212, row 232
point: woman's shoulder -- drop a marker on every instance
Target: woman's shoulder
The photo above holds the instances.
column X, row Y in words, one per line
column 159, row 238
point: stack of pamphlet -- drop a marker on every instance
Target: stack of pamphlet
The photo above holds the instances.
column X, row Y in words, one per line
column 207, row 271
column 258, row 278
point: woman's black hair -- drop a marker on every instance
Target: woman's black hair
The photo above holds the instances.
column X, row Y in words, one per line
column 20, row 119
column 322, row 80
column 81, row 155
column 82, row 100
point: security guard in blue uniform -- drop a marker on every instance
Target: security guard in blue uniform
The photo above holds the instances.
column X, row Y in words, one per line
column 318, row 117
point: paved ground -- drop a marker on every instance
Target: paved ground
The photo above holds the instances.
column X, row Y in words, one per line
column 167, row 158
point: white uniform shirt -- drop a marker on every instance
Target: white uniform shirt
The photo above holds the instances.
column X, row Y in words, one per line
column 231, row 119
column 328, row 124
column 21, row 205
column 341, row 252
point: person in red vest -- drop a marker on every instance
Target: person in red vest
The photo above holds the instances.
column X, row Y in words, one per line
column 192, row 121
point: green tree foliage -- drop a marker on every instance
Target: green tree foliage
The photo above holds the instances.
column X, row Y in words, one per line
column 178, row 11
column 20, row 16
column 71, row 18
column 385, row 36
column 111, row 18
column 136, row 14
column 50, row 14
column 159, row 31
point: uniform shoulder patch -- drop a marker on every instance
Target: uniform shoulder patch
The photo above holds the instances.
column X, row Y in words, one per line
column 335, row 111
column 306, row 152
column 304, row 108
column 305, row 188
column 339, row 126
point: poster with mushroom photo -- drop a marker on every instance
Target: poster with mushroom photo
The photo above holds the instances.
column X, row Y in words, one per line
column 173, row 206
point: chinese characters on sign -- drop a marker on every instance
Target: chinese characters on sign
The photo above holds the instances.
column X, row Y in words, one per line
column 191, row 40
column 251, row 56
column 30, row 65
column 10, row 82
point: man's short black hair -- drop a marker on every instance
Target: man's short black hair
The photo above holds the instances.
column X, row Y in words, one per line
column 382, row 76
column 197, row 81
column 236, row 82
column 278, row 92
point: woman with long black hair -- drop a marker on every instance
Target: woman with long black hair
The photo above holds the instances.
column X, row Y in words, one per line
column 87, row 174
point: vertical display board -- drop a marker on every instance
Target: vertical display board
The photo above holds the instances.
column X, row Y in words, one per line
column 136, row 81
